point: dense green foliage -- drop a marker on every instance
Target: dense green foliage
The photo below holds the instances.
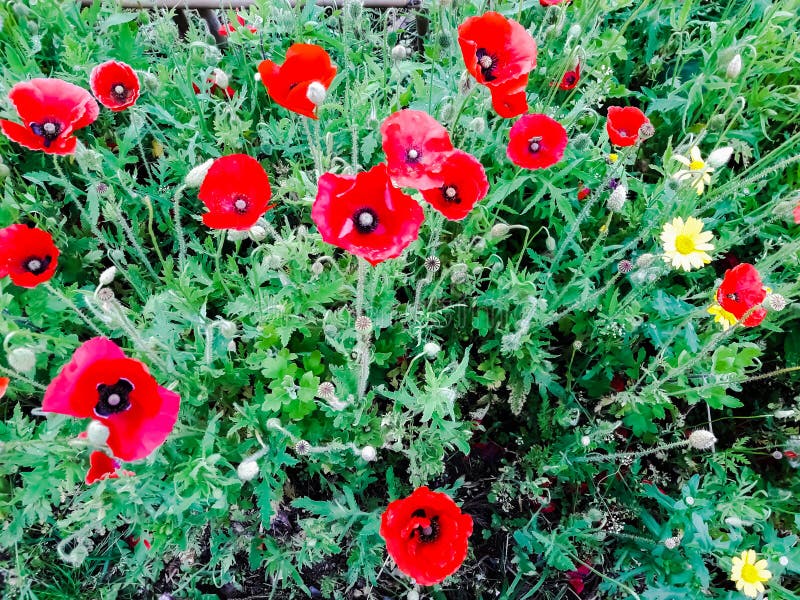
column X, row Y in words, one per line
column 513, row 414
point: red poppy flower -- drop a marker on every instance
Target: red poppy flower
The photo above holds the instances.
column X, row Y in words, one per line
column 51, row 111
column 101, row 383
column 499, row 53
column 797, row 213
column 102, row 466
column 742, row 290
column 287, row 84
column 552, row 2
column 571, row 78
column 583, row 193
column 4, row 381
column 623, row 125
column 464, row 184
column 28, row 255
column 228, row 27
column 427, row 535
column 236, row 191
column 416, row 146
column 115, row 85
column 619, row 382
column 577, row 578
column 365, row 214
column 536, row 142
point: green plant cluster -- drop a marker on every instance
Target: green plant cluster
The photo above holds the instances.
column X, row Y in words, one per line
column 488, row 366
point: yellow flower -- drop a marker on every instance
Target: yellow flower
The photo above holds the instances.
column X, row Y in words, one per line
column 749, row 575
column 613, row 157
column 722, row 316
column 698, row 172
column 685, row 243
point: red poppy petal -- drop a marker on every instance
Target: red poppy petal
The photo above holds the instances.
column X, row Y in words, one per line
column 25, row 137
column 107, row 77
column 623, row 125
column 796, row 214
column 59, row 396
column 509, row 106
column 102, row 466
column 134, row 439
column 465, row 184
column 4, row 381
column 287, row 84
column 19, row 246
column 741, row 291
column 233, row 180
column 546, row 135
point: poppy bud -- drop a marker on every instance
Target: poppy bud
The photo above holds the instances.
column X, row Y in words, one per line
column 431, row 349
column 316, row 93
column 22, row 360
column 616, row 201
column 257, row 76
column 414, row 594
column 228, row 329
column 586, row 440
column 499, row 230
column 478, row 125
column 550, row 244
column 220, row 78
column 734, row 67
column 645, row 260
column 235, row 235
column 574, row 31
column 150, row 81
column 4, row 170
column 734, row 521
column 399, row 53
column 317, row 268
column 702, row 439
column 257, row 233
column 672, row 542
column 459, row 273
column 720, row 157
column 97, row 433
column 368, row 454
column 247, row 470
column 107, row 276
column 195, row 177
column 783, row 414
column 231, row 346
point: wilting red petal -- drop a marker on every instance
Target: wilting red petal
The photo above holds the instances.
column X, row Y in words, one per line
column 571, row 78
column 101, row 466
column 236, row 192
column 100, row 382
column 115, row 85
column 365, row 214
column 416, row 146
column 27, row 254
column 740, row 291
column 536, row 141
column 287, row 84
column 427, row 535
column 623, row 125
column 51, row 110
column 464, row 185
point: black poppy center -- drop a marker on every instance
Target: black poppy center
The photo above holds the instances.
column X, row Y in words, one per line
column 37, row 264
column 733, row 296
column 535, row 144
column 569, row 78
column 486, row 63
column 113, row 399
column 412, row 156
column 241, row 204
column 365, row 220
column 425, row 533
column 450, row 194
column 119, row 92
column 49, row 129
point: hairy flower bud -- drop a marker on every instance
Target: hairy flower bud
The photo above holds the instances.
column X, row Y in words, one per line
column 720, row 157
column 399, row 53
column 734, row 67
column 195, row 177
column 107, row 276
column 431, row 349
column 316, row 93
column 478, row 125
column 616, row 201
column 22, row 360
column 97, row 433
column 702, row 439
column 368, row 453
column 499, row 230
column 257, row 233
column 247, row 470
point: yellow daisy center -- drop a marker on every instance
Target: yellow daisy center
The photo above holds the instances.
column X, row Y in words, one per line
column 750, row 574
column 697, row 165
column 684, row 244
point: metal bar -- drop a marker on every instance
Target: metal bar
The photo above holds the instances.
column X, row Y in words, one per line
column 225, row 4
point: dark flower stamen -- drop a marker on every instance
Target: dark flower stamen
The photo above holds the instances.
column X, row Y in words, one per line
column 48, row 130
column 119, row 92
column 429, row 532
column 450, row 194
column 37, row 265
column 412, row 156
column 535, row 146
column 240, row 204
column 113, row 399
column 365, row 220
column 487, row 64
